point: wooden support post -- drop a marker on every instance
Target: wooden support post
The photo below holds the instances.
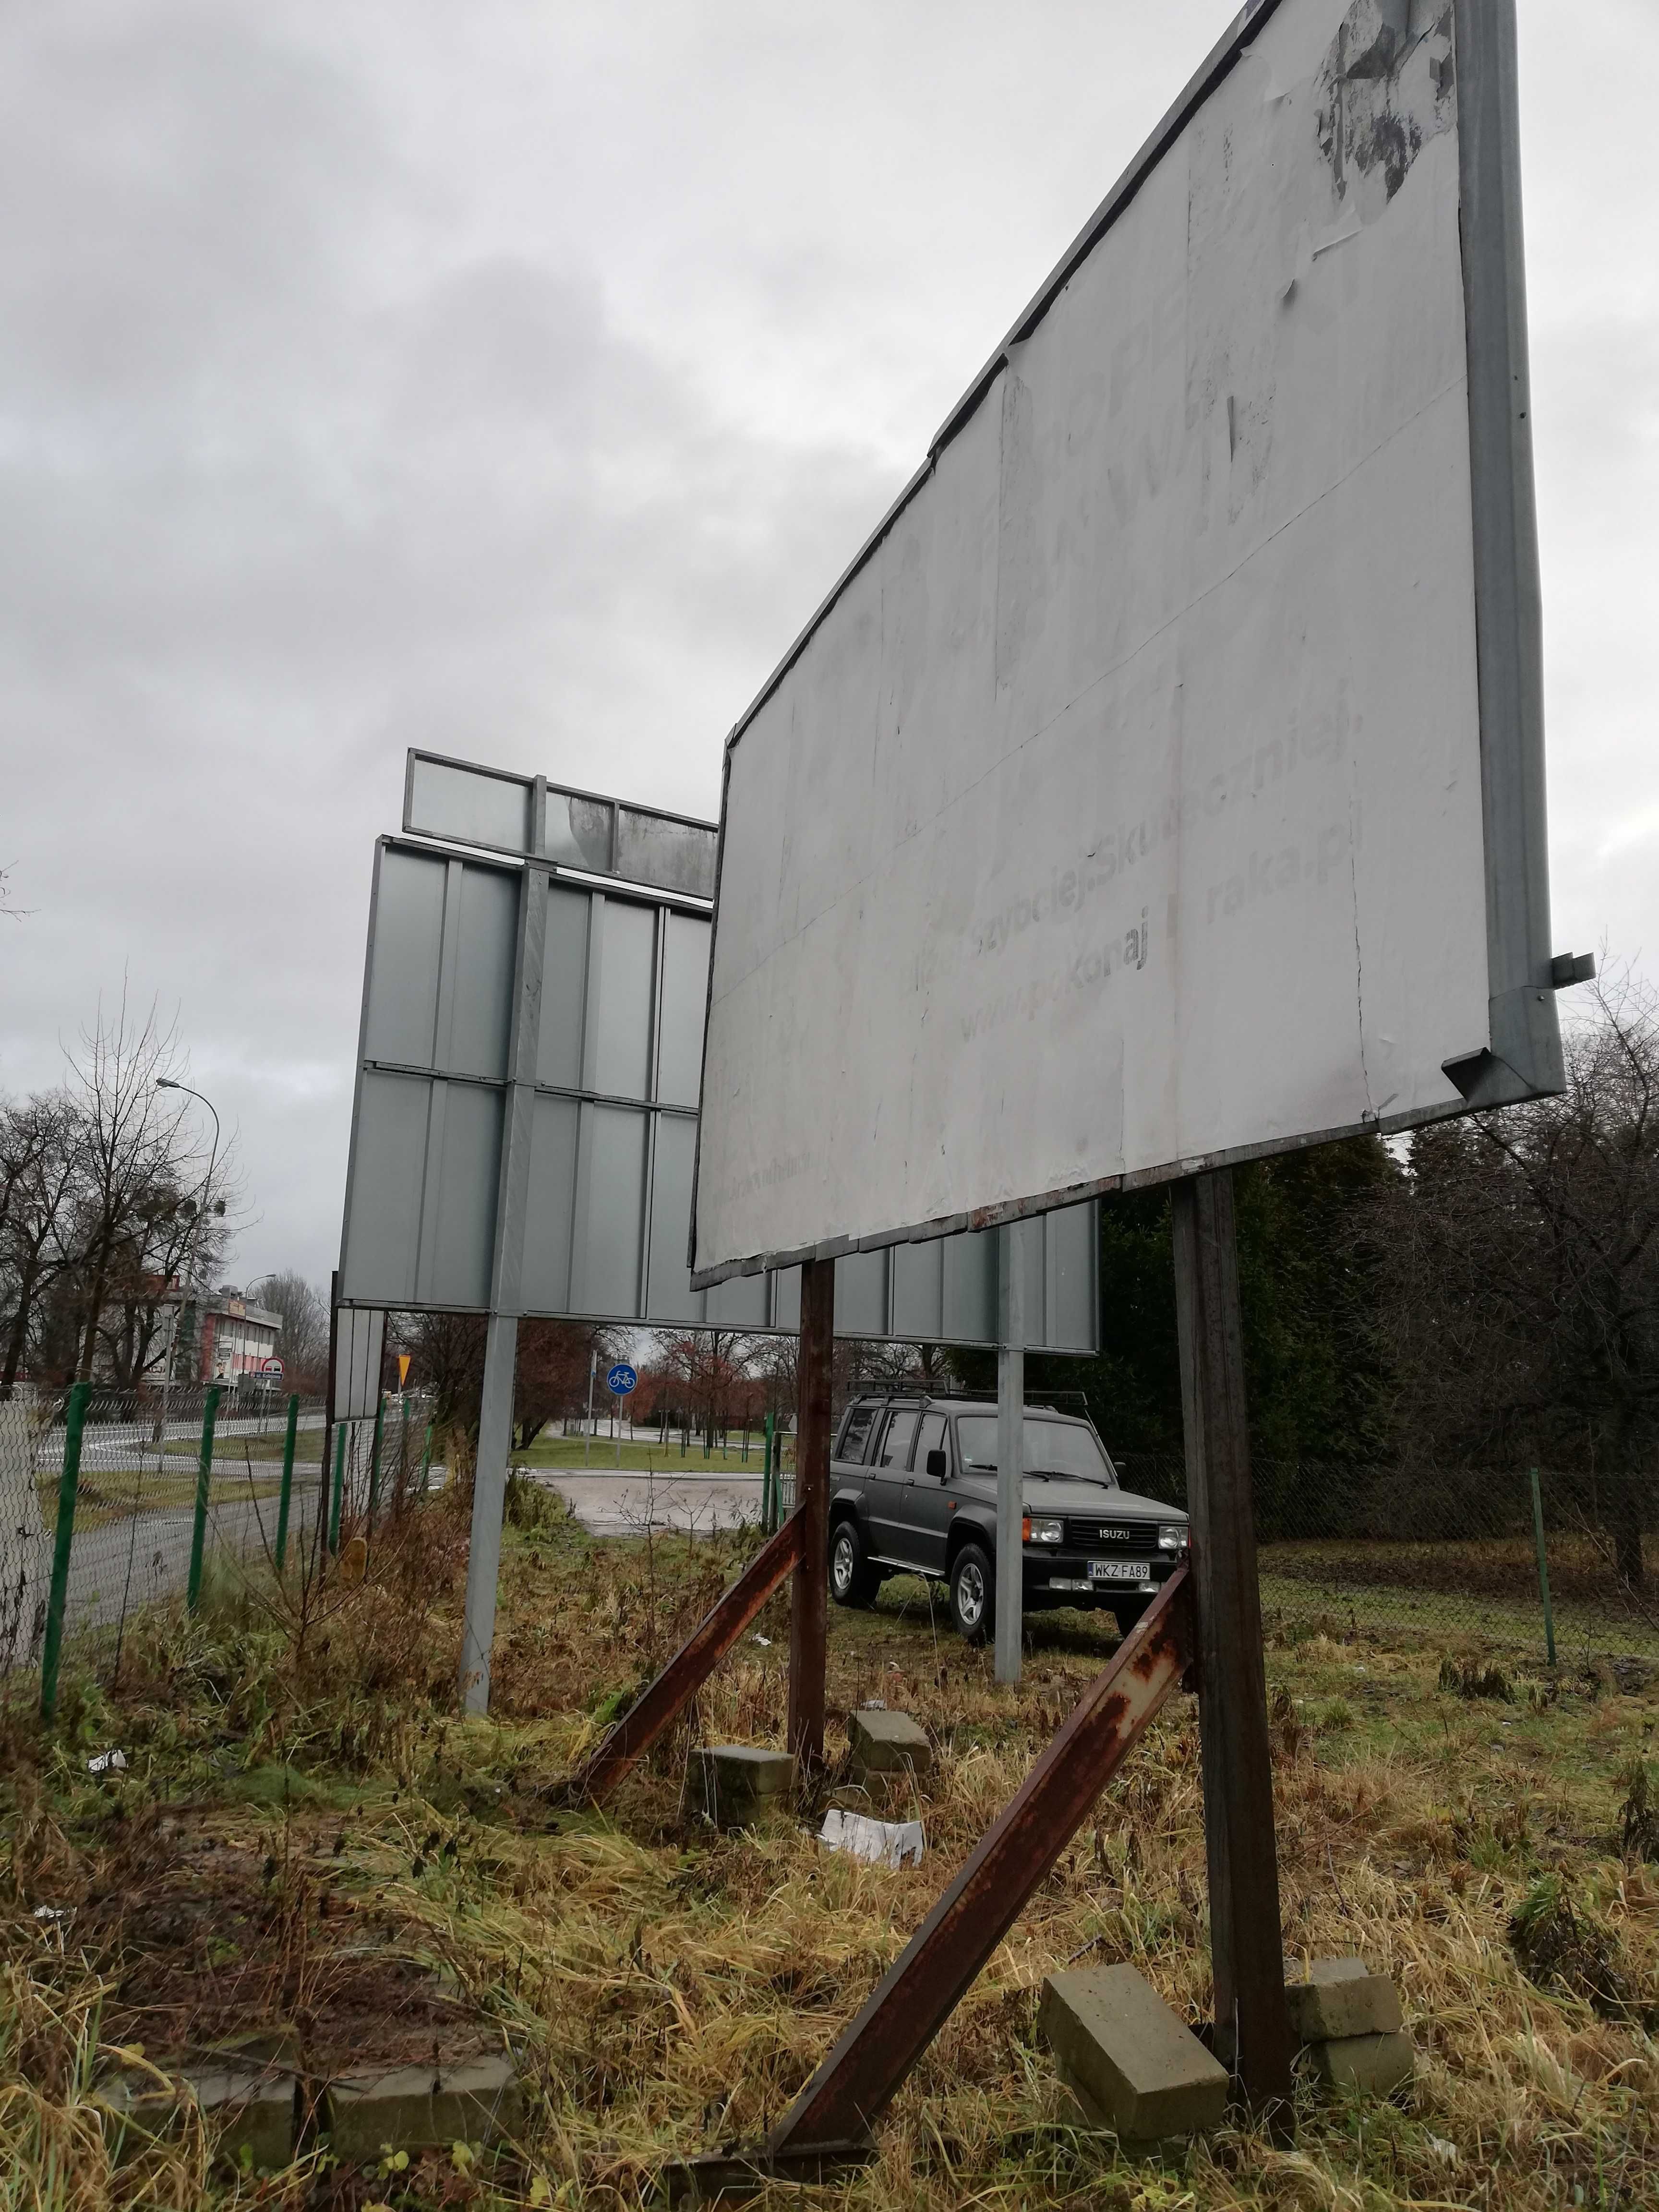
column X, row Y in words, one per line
column 809, row 1600
column 1253, row 2028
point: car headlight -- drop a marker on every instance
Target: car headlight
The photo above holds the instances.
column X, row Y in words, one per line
column 1043, row 1532
column 1172, row 1536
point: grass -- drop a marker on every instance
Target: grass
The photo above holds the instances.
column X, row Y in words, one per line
column 307, row 1832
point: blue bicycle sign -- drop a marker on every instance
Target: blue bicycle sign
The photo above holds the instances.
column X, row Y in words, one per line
column 621, row 1380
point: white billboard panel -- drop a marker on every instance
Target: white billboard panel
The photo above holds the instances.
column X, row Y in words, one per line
column 1163, row 785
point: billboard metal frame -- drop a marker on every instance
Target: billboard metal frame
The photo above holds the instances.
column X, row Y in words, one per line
column 1522, row 1059
column 880, row 1301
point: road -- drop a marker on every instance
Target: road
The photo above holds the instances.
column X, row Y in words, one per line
column 625, row 1504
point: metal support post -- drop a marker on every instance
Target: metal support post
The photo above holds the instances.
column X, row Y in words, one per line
column 483, row 1564
column 426, row 1460
column 203, row 1483
column 587, row 1433
column 768, row 1495
column 374, row 1458
column 337, row 1503
column 285, row 1495
column 657, row 1706
column 1011, row 1451
column 68, row 1488
column 808, row 1602
column 1543, row 1567
column 1252, row 2021
column 506, row 1279
column 403, row 1450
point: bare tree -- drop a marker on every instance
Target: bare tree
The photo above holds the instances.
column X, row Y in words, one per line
column 140, row 1168
column 302, row 1331
column 1521, row 1259
column 41, row 1161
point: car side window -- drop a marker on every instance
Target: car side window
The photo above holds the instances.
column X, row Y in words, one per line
column 896, row 1442
column 931, row 1439
column 856, row 1434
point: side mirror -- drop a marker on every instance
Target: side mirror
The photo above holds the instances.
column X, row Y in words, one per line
column 936, row 1465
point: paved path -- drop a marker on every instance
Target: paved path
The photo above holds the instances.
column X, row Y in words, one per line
column 626, row 1504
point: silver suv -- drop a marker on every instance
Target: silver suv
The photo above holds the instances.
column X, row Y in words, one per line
column 912, row 1490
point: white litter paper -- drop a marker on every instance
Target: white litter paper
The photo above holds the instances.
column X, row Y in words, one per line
column 883, row 1843
column 111, row 1762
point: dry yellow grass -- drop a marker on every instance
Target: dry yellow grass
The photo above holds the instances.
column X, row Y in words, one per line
column 668, row 1989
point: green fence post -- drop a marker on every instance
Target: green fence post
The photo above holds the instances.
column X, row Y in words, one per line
column 767, row 1523
column 375, row 1459
column 69, row 1484
column 287, row 1491
column 1543, row 1567
column 426, row 1460
column 403, row 1452
column 203, row 1481
column 339, row 1491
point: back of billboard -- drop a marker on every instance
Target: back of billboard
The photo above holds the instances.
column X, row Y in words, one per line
column 1163, row 785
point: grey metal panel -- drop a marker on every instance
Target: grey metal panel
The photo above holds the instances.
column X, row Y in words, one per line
column 1031, row 1245
column 738, row 1304
column 685, row 991
column 579, row 832
column 474, row 805
column 786, row 1298
column 1073, row 1257
column 919, row 1290
column 465, row 1214
column 379, row 1259
column 551, row 1207
column 403, row 959
column 483, row 998
column 359, row 1352
column 621, row 1059
column 861, row 1294
column 970, row 1287
column 668, row 1294
column 659, row 848
column 564, row 986
column 612, row 1226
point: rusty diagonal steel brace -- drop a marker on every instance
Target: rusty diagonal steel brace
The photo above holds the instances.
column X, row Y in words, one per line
column 829, row 2125
column 655, row 1708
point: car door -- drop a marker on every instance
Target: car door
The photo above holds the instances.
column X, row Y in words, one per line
column 926, row 1502
column 887, row 1482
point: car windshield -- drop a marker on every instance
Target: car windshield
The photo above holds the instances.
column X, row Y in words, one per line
column 1064, row 1448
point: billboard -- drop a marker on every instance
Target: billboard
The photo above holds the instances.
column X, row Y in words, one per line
column 1162, row 784
column 525, row 1121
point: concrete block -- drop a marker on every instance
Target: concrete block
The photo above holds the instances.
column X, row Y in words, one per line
column 243, row 2108
column 1378, row 2064
column 248, row 2111
column 887, row 1743
column 1131, row 2064
column 413, row 2108
column 732, row 1784
column 1342, row 1997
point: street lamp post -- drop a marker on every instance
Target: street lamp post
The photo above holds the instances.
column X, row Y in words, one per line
column 167, row 1082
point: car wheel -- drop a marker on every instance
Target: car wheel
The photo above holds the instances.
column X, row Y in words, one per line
column 853, row 1580
column 973, row 1593
column 1129, row 1612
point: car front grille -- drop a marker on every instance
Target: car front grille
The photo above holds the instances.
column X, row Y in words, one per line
column 1136, row 1540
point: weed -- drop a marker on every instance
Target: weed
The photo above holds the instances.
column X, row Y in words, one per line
column 1467, row 1677
column 1565, row 1946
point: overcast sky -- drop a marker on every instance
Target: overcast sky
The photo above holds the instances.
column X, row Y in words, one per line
column 515, row 379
